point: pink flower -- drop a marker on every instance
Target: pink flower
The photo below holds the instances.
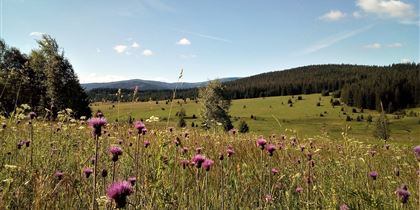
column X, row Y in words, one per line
column 207, row 164
column 97, row 123
column 198, row 160
column 270, row 149
column 261, row 143
column 274, row 171
column 118, row 191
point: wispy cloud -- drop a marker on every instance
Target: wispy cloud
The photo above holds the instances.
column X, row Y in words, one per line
column 36, row 33
column 183, row 41
column 333, row 15
column 334, row 39
column 120, row 48
column 147, row 52
column 379, row 45
column 206, row 36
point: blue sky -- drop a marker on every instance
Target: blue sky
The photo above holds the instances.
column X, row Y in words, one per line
column 153, row 39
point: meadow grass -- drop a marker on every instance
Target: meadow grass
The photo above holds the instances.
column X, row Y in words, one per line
column 319, row 172
column 273, row 115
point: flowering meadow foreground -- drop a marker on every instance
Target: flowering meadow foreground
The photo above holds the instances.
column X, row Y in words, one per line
column 69, row 164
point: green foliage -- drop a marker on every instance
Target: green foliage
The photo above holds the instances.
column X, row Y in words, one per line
column 243, row 127
column 215, row 105
column 181, row 118
column 44, row 79
column 382, row 130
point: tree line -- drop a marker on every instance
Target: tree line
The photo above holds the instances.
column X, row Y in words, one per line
column 397, row 85
column 44, row 79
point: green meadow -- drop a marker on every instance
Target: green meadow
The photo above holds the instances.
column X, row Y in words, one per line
column 273, row 115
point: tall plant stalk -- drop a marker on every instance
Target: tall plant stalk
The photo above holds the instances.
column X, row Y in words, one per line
column 95, row 166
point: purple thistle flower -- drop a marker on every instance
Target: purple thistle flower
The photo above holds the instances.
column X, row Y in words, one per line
column 118, row 191
column 302, row 148
column 207, row 164
column 233, row 131
column 87, row 172
column 403, row 194
column 299, row 189
column 274, row 171
column 20, row 144
column 373, row 175
column 198, row 160
column 344, row 207
column 99, row 114
column 132, row 180
column 270, row 149
column 417, row 152
column 144, row 131
column 139, row 125
column 97, row 123
column 185, row 163
column 230, row 152
column 27, row 143
column 397, row 171
column 32, row 115
column 261, row 143
column 268, row 198
column 59, row 175
column 146, row 143
column 116, row 152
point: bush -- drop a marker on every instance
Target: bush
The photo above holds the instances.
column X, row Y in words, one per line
column 325, row 93
column 299, row 98
column 369, row 118
column 290, row 101
column 243, row 127
column 318, row 103
column 354, row 110
column 348, row 118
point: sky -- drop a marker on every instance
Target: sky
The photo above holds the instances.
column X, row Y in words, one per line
column 110, row 40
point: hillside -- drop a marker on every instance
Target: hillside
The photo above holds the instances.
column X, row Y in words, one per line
column 149, row 84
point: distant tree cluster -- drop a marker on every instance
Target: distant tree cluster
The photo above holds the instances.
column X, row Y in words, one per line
column 109, row 94
column 44, row 79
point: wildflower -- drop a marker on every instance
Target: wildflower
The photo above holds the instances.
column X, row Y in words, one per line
column 230, row 152
column 20, row 144
column 139, row 125
column 87, row 172
column 198, row 150
column 118, row 191
column 132, row 180
column 184, row 163
column 268, row 198
column 97, row 124
column 177, row 141
column 299, row 189
column 387, row 146
column 104, row 173
column 373, row 175
column 233, row 131
column 144, row 131
column 3, row 125
column 99, row 114
column 344, row 207
column 27, row 143
column 146, row 143
column 302, row 148
column 116, row 152
column 59, row 175
column 270, row 149
column 403, row 194
column 261, row 143
column 207, row 164
column 198, row 160
column 171, row 129
column 274, row 171
column 32, row 115
column 417, row 152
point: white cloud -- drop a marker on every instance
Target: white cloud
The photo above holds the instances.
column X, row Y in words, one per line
column 405, row 60
column 387, row 8
column 373, row 46
column 333, row 15
column 357, row 14
column 147, row 52
column 336, row 38
column 120, row 48
column 184, row 41
column 394, row 45
column 36, row 33
column 135, row 45
column 98, row 50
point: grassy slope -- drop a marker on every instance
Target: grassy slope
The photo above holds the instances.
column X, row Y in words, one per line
column 304, row 117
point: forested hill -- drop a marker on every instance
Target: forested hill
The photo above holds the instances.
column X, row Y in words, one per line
column 397, row 85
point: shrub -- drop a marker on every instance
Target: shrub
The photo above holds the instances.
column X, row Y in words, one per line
column 318, row 103
column 348, row 118
column 243, row 127
column 299, row 98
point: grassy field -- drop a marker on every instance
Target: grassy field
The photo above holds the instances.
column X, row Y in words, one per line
column 273, row 116
column 50, row 172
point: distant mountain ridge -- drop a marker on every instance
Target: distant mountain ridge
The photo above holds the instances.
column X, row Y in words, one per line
column 150, row 84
